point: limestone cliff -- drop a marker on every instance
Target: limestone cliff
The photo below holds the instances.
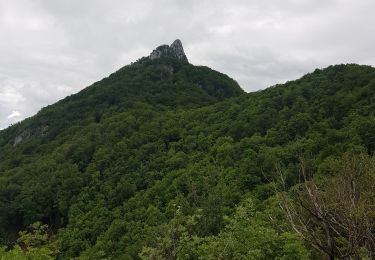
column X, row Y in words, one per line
column 175, row 50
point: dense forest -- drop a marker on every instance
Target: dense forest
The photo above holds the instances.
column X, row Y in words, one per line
column 166, row 160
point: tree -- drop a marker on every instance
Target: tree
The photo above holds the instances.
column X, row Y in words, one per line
column 250, row 234
column 337, row 214
column 175, row 240
column 31, row 245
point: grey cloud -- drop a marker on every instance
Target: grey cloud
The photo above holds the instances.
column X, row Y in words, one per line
column 50, row 49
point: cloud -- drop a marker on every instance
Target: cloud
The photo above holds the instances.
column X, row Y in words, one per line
column 50, row 49
column 14, row 115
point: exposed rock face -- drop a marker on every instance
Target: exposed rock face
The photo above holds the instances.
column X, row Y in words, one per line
column 26, row 134
column 175, row 50
column 19, row 138
column 178, row 50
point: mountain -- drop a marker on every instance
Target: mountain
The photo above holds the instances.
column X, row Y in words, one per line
column 165, row 80
column 167, row 160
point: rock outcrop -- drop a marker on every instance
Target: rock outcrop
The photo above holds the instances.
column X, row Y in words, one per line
column 175, row 50
column 27, row 134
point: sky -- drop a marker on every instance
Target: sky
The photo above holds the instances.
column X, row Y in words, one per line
column 51, row 49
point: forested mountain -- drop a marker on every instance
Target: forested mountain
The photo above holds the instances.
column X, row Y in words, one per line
column 166, row 160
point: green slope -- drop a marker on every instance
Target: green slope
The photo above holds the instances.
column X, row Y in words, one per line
column 165, row 164
column 163, row 83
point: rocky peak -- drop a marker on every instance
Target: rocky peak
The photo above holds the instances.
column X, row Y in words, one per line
column 175, row 50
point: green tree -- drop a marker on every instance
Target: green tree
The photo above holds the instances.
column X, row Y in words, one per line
column 249, row 235
column 31, row 245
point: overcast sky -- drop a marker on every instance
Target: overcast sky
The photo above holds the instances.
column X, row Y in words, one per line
column 50, row 49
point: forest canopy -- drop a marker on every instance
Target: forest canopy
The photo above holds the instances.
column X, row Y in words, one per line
column 166, row 160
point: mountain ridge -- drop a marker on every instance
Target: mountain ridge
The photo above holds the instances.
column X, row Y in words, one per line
column 179, row 157
column 163, row 79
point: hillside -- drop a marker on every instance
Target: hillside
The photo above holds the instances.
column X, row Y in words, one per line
column 166, row 160
column 165, row 83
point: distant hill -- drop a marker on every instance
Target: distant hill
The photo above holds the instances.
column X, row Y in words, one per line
column 167, row 160
column 164, row 82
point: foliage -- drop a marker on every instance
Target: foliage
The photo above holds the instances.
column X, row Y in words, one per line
column 159, row 160
column 250, row 234
column 31, row 245
column 336, row 215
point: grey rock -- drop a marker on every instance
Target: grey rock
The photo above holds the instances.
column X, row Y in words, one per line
column 21, row 137
column 178, row 50
column 28, row 133
column 175, row 50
